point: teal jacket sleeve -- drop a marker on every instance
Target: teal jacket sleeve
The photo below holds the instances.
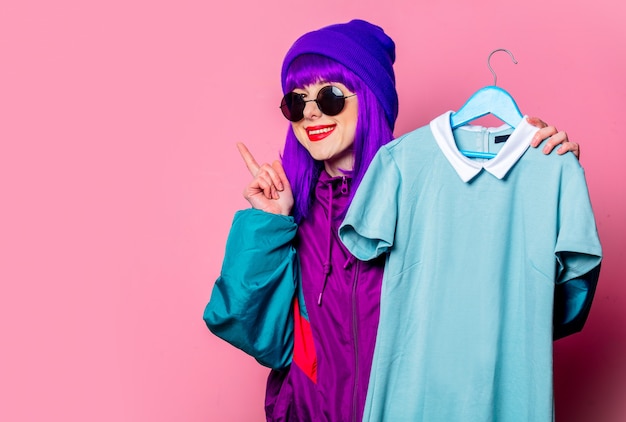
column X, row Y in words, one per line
column 251, row 304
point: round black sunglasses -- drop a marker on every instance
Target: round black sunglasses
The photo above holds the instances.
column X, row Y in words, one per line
column 330, row 100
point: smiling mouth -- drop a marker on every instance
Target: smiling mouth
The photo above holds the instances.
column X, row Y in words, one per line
column 317, row 133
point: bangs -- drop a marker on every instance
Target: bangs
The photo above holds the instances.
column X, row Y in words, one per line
column 309, row 69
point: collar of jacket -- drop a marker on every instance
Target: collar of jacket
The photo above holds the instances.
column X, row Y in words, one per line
column 333, row 194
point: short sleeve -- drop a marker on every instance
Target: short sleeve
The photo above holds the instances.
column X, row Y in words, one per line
column 578, row 248
column 369, row 227
column 579, row 255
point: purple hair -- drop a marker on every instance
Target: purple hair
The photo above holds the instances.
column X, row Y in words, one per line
column 372, row 129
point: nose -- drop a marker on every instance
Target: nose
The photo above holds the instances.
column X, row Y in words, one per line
column 311, row 110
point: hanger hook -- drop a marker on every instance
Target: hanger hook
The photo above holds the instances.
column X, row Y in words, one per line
column 495, row 78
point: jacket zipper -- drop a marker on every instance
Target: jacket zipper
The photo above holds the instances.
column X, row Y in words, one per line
column 355, row 336
column 344, row 185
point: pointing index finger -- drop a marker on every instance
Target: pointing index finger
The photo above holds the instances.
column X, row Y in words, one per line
column 251, row 163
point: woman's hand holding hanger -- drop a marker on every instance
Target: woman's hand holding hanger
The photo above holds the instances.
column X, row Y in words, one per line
column 553, row 138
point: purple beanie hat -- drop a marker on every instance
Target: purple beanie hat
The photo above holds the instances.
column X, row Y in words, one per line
column 361, row 47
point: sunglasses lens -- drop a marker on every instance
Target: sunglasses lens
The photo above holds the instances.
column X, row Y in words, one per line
column 292, row 106
column 331, row 100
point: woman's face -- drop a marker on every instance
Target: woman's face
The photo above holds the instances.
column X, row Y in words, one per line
column 328, row 138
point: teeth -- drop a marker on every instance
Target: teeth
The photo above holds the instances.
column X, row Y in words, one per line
column 318, row 131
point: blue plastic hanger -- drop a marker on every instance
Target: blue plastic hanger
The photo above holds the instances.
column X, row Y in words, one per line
column 488, row 100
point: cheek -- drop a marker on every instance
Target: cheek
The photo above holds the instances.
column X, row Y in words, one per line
column 350, row 134
column 303, row 140
column 351, row 123
column 300, row 134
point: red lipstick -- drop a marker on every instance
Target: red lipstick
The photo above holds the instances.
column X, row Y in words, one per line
column 317, row 133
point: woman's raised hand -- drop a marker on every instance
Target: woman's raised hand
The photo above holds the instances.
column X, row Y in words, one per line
column 270, row 190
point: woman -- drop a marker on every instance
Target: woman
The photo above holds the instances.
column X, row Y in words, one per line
column 290, row 294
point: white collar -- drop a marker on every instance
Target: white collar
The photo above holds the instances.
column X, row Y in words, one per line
column 467, row 169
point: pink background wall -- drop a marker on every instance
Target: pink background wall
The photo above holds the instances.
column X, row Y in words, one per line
column 119, row 177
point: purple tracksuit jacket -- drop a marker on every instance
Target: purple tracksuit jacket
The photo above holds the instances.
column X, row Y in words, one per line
column 319, row 340
column 340, row 316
